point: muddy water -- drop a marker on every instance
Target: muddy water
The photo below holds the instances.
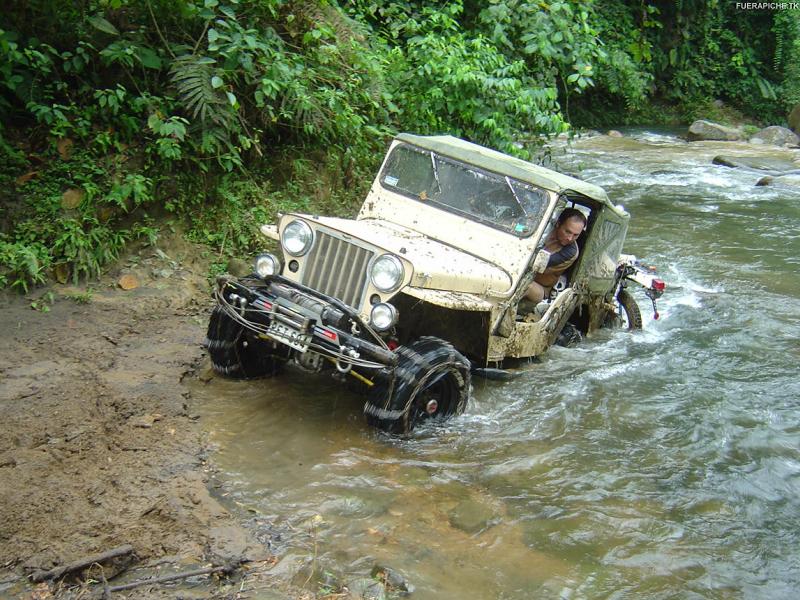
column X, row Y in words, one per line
column 664, row 464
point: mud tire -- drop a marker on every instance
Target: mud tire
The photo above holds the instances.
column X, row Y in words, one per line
column 237, row 353
column 428, row 369
column 569, row 336
column 632, row 314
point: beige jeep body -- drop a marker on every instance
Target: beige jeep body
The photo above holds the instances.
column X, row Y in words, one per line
column 466, row 223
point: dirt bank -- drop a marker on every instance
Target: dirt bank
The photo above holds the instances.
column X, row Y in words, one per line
column 99, row 445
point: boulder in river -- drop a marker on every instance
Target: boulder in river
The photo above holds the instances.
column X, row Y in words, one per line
column 776, row 136
column 471, row 516
column 788, row 181
column 772, row 166
column 794, row 119
column 702, row 130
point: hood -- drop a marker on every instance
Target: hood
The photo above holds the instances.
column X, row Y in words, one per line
column 435, row 265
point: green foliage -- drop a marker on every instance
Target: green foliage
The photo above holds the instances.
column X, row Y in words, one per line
column 451, row 83
column 222, row 112
column 44, row 302
column 22, row 265
column 81, row 297
column 86, row 245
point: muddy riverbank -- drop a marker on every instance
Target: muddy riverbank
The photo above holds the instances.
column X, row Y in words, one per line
column 100, row 445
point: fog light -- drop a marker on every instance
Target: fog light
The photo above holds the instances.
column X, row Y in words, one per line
column 383, row 316
column 266, row 265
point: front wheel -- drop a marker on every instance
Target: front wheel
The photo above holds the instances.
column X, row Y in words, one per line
column 236, row 352
column 431, row 381
column 628, row 316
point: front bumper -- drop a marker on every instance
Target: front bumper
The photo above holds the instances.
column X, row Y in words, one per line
column 292, row 315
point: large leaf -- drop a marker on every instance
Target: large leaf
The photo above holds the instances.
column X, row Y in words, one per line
column 100, row 23
column 150, row 60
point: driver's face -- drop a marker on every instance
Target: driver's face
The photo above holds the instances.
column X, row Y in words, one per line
column 568, row 231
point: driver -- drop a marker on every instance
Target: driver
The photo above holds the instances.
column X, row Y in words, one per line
column 563, row 252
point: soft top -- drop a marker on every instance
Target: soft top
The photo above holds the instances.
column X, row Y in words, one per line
column 497, row 162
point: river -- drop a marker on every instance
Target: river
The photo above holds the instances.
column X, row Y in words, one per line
column 659, row 464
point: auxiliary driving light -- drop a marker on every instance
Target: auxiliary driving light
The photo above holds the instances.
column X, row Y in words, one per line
column 266, row 264
column 383, row 316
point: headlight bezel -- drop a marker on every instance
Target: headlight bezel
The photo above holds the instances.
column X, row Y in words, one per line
column 397, row 280
column 306, row 229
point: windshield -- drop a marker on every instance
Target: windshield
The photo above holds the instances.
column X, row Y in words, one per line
column 489, row 198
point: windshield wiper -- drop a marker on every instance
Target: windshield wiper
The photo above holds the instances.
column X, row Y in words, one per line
column 436, row 172
column 514, row 193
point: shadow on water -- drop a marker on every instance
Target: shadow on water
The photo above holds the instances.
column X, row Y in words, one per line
column 660, row 464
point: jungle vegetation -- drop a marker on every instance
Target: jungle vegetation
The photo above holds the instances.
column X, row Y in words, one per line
column 121, row 117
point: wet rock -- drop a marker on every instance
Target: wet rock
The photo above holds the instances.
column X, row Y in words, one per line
column 346, row 506
column 776, row 136
column 702, row 130
column 614, row 133
column 773, row 166
column 394, row 581
column 471, row 516
column 790, row 181
column 794, row 119
column 366, row 589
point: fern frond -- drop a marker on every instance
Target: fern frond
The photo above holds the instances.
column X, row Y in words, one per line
column 191, row 75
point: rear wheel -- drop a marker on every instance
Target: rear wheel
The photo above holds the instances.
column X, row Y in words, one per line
column 236, row 352
column 431, row 381
column 628, row 315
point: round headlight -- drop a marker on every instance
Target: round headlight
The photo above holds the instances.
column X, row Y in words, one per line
column 383, row 316
column 386, row 273
column 266, row 264
column 297, row 238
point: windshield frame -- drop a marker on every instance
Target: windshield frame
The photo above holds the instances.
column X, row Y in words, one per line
column 523, row 226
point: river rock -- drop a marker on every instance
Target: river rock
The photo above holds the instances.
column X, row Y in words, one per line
column 794, row 119
column 776, row 136
column 790, row 181
column 702, row 130
column 393, row 580
column 366, row 589
column 773, row 166
column 614, row 133
column 471, row 516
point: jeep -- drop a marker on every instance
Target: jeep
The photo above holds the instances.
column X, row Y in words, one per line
column 427, row 285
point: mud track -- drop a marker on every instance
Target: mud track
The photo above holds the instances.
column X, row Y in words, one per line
column 99, row 444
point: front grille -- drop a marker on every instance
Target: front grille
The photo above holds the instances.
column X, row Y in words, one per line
column 337, row 268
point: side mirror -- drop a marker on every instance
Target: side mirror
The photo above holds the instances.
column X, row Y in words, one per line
column 541, row 260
